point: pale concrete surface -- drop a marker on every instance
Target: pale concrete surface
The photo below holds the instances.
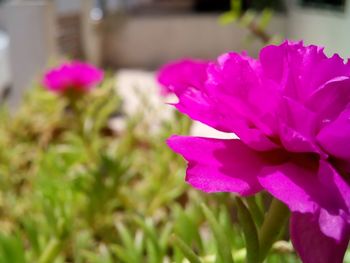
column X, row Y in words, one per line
column 328, row 28
column 31, row 28
column 5, row 77
column 140, row 95
column 2, row 17
column 139, row 92
column 151, row 40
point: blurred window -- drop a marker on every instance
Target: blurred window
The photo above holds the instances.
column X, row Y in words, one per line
column 203, row 6
column 324, row 3
column 224, row 5
column 212, row 6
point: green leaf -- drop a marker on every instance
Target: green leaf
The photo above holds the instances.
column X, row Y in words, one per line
column 129, row 251
column 223, row 244
column 250, row 232
column 236, row 7
column 248, row 18
column 265, row 18
column 227, row 18
column 274, row 222
column 51, row 251
column 185, row 249
column 165, row 234
column 123, row 254
column 11, row 249
column 255, row 210
column 185, row 227
column 153, row 245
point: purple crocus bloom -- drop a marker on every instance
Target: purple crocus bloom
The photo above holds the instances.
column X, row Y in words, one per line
column 72, row 76
column 291, row 110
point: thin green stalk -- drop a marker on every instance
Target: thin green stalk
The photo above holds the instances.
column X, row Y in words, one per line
column 51, row 251
column 255, row 210
column 273, row 224
column 250, row 232
column 185, row 249
column 224, row 249
column 259, row 198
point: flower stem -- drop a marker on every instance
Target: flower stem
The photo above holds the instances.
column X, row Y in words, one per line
column 255, row 210
column 250, row 232
column 274, row 221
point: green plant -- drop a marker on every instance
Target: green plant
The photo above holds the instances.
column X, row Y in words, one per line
column 255, row 19
column 74, row 191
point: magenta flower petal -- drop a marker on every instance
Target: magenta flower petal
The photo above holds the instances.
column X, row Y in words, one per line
column 300, row 70
column 294, row 102
column 298, row 126
column 186, row 79
column 219, row 165
column 335, row 137
column 199, row 107
column 329, row 100
column 239, row 91
column 312, row 245
column 177, row 76
column 77, row 76
column 196, row 94
column 308, row 187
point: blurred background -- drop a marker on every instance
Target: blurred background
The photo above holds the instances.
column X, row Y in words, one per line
column 92, row 180
column 144, row 34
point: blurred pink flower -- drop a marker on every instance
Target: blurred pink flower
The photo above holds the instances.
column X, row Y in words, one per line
column 291, row 110
column 72, row 76
column 181, row 72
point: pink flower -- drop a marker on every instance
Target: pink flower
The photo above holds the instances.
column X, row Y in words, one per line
column 72, row 76
column 181, row 72
column 291, row 110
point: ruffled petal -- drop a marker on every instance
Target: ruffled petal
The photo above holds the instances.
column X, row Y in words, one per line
column 299, row 69
column 335, row 137
column 180, row 75
column 310, row 242
column 187, row 80
column 192, row 84
column 298, row 127
column 292, row 185
column 216, row 165
column 293, row 102
column 308, row 187
column 329, row 100
column 200, row 107
column 245, row 100
column 238, row 86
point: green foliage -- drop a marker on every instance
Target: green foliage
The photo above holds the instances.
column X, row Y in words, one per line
column 72, row 190
column 250, row 232
column 256, row 19
column 186, row 250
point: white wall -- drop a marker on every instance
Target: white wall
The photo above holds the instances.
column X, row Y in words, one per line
column 67, row 6
column 74, row 6
column 328, row 28
column 30, row 25
column 152, row 40
column 5, row 76
column 2, row 17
